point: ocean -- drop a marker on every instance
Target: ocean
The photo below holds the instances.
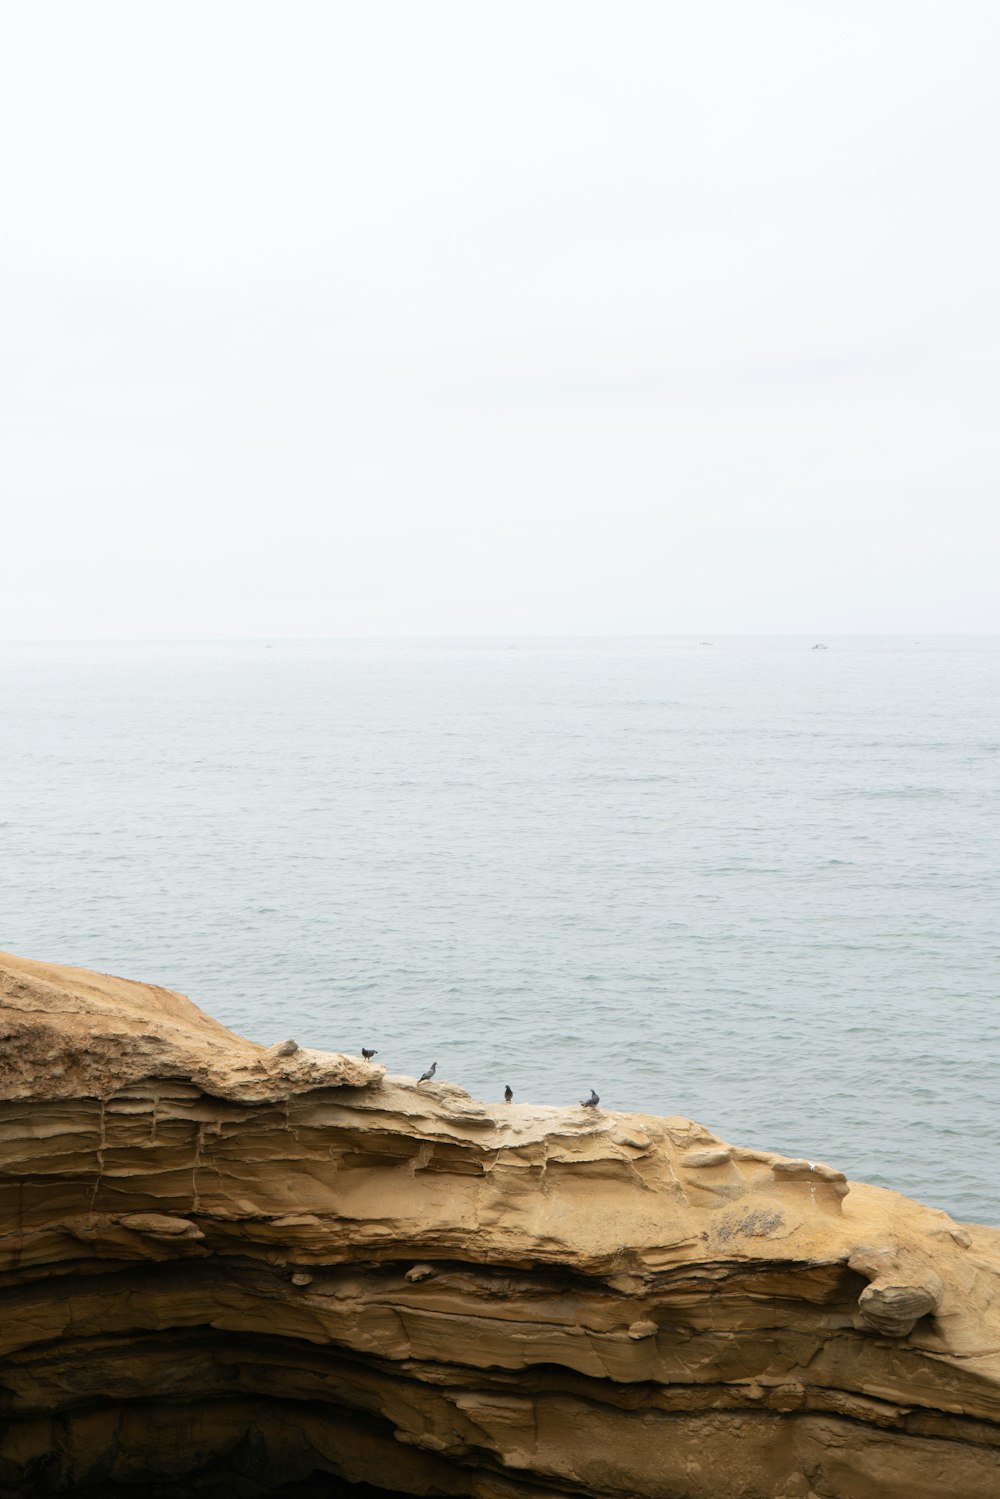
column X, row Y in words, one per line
column 746, row 881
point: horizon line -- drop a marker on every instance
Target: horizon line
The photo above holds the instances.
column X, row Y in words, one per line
column 701, row 637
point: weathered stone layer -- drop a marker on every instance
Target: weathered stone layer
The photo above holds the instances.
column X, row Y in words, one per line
column 269, row 1263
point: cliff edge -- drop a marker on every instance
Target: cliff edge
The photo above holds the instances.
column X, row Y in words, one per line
column 226, row 1267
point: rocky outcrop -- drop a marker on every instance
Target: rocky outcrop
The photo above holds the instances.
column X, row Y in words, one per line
column 226, row 1267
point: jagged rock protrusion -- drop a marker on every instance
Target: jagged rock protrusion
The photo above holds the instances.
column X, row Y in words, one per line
column 901, row 1289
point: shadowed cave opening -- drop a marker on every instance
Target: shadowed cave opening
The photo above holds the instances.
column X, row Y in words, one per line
column 220, row 1485
column 245, row 1468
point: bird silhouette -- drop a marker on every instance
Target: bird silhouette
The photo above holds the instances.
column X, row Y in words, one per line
column 591, row 1102
column 368, row 1054
column 426, row 1076
column 508, row 1093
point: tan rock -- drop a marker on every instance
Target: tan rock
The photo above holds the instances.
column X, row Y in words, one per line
column 212, row 1255
column 159, row 1226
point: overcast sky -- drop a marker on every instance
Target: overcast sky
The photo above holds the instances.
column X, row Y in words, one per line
column 457, row 318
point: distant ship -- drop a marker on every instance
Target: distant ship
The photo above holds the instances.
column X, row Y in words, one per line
column 819, row 646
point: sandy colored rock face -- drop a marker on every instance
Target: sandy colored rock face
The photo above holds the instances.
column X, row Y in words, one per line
column 219, row 1258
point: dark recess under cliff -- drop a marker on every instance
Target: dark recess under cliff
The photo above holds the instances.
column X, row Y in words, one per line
column 229, row 1485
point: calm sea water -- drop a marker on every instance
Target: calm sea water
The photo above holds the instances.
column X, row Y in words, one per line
column 748, row 882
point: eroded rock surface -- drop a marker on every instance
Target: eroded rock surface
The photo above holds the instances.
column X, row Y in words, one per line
column 267, row 1263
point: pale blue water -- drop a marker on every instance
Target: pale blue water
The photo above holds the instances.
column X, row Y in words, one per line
column 748, row 882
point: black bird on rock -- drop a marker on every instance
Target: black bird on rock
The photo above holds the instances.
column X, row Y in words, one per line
column 591, row 1102
column 508, row 1093
column 368, row 1054
column 425, row 1077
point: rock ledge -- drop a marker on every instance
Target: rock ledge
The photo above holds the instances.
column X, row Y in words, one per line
column 226, row 1266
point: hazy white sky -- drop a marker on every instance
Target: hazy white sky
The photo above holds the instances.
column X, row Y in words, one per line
column 455, row 318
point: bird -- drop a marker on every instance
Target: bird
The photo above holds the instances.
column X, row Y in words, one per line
column 425, row 1077
column 368, row 1054
column 508, row 1093
column 591, row 1102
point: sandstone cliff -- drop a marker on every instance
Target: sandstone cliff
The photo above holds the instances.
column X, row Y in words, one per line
column 225, row 1268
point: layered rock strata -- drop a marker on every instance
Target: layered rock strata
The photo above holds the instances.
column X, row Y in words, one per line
column 226, row 1267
